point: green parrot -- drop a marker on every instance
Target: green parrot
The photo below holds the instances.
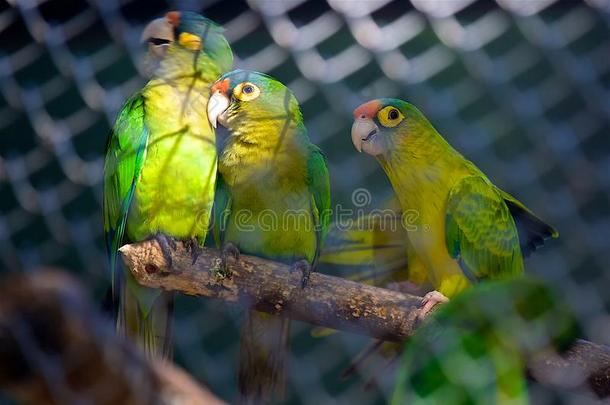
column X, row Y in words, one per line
column 160, row 167
column 462, row 228
column 474, row 349
column 273, row 195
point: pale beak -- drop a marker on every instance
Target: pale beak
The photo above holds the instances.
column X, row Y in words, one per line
column 363, row 130
column 217, row 105
column 159, row 28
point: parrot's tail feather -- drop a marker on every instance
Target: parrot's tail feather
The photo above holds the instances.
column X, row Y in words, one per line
column 156, row 328
column 533, row 231
column 382, row 273
column 263, row 358
column 373, row 253
column 151, row 327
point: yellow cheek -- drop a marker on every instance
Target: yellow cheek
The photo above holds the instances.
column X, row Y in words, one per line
column 190, row 41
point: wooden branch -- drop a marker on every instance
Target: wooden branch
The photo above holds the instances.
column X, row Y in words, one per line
column 271, row 287
column 584, row 365
column 56, row 349
column 335, row 303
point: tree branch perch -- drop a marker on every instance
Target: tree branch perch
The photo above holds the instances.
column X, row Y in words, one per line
column 336, row 303
column 271, row 287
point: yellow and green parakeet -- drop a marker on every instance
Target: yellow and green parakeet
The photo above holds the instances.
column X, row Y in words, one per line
column 462, row 228
column 160, row 166
column 273, row 196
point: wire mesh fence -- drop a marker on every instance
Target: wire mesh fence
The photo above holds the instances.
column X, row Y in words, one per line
column 519, row 87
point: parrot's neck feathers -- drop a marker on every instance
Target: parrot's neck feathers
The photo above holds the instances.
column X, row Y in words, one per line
column 267, row 133
column 247, row 150
column 421, row 162
column 181, row 66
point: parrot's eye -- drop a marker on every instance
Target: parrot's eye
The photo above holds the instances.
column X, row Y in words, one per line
column 246, row 91
column 390, row 117
column 158, row 41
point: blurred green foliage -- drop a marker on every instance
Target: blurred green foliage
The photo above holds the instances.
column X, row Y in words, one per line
column 473, row 350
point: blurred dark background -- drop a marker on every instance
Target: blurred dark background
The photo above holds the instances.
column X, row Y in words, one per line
column 522, row 88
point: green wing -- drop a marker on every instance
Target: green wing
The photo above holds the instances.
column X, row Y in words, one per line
column 221, row 210
column 319, row 186
column 125, row 155
column 480, row 231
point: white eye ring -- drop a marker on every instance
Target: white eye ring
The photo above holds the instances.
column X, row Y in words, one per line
column 246, row 91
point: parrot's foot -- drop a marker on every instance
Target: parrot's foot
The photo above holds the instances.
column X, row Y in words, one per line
column 167, row 244
column 429, row 301
column 304, row 268
column 192, row 246
column 228, row 250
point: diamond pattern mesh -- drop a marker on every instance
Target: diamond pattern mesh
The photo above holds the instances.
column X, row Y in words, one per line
column 522, row 88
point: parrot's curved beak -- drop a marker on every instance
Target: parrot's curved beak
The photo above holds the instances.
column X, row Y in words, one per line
column 364, row 134
column 217, row 105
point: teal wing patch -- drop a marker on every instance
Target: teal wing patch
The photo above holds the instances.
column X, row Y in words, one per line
column 480, row 231
column 125, row 155
column 319, row 186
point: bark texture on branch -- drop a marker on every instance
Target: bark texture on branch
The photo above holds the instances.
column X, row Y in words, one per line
column 271, row 287
column 335, row 303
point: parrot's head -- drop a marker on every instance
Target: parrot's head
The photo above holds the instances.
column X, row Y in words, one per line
column 190, row 32
column 252, row 104
column 387, row 124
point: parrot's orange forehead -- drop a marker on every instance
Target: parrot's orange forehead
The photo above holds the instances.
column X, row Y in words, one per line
column 222, row 86
column 173, row 17
column 367, row 110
